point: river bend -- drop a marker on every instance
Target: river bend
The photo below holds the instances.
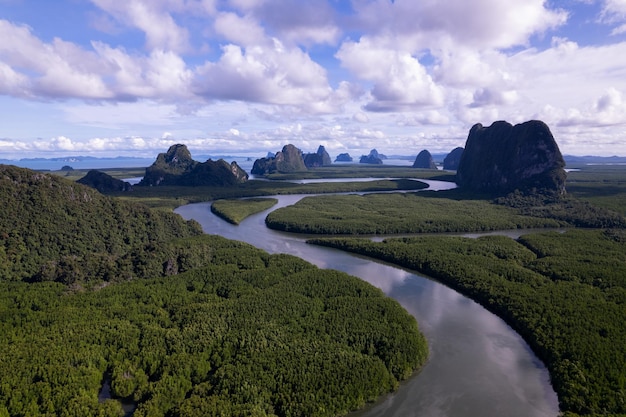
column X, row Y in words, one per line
column 478, row 366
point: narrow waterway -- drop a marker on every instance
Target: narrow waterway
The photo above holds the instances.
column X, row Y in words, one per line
column 478, row 366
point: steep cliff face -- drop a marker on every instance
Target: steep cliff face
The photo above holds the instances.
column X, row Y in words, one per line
column 176, row 167
column 104, row 182
column 452, row 160
column 424, row 160
column 290, row 159
column 214, row 173
column 502, row 158
column 317, row 159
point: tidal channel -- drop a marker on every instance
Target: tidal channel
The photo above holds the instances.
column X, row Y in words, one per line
column 478, row 366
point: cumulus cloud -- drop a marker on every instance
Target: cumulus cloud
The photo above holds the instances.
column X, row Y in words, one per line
column 305, row 22
column 274, row 74
column 398, row 72
column 614, row 10
column 400, row 82
column 13, row 83
column 490, row 97
column 480, row 24
column 239, row 30
column 153, row 18
column 609, row 109
column 59, row 68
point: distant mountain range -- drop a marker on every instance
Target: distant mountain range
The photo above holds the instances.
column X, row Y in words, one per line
column 573, row 159
column 589, row 159
column 129, row 161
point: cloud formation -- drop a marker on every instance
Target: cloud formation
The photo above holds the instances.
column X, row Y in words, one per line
column 358, row 75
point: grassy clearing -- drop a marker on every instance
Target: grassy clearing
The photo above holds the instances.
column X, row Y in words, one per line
column 235, row 211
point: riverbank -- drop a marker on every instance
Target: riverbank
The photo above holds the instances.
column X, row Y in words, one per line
column 478, row 365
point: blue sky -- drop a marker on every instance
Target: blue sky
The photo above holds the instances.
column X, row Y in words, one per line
column 244, row 77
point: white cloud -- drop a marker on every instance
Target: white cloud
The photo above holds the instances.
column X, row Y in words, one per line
column 614, row 10
column 153, row 18
column 465, row 67
column 491, row 97
column 405, row 73
column 400, row 82
column 13, row 83
column 480, row 24
column 619, row 30
column 302, row 22
column 54, row 69
column 239, row 30
column 360, row 117
column 274, row 74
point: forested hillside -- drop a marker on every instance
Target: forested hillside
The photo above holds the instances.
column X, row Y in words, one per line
column 149, row 315
column 52, row 229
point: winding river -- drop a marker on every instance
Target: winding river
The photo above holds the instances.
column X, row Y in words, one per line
column 478, row 365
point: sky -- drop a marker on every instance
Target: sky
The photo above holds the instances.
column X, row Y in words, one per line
column 246, row 77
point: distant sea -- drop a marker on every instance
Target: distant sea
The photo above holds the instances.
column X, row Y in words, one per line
column 87, row 162
column 55, row 164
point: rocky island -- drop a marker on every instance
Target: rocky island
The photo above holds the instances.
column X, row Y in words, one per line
column 424, row 160
column 176, row 167
column 502, row 158
column 104, row 183
column 451, row 161
column 290, row 159
column 372, row 158
column 317, row 159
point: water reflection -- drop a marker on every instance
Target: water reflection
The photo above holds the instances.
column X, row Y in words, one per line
column 478, row 366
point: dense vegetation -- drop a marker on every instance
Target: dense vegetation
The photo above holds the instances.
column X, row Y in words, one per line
column 235, row 211
column 88, row 300
column 249, row 334
column 364, row 171
column 435, row 212
column 564, row 293
column 172, row 197
column 52, row 229
column 602, row 185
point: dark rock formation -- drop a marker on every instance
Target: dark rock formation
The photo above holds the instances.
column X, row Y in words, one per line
column 452, row 160
column 176, row 167
column 290, row 159
column 317, row 159
column 424, row 160
column 502, row 158
column 343, row 157
column 372, row 158
column 215, row 174
column 104, row 182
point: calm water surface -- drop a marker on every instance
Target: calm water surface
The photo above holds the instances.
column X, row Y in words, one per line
column 478, row 366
